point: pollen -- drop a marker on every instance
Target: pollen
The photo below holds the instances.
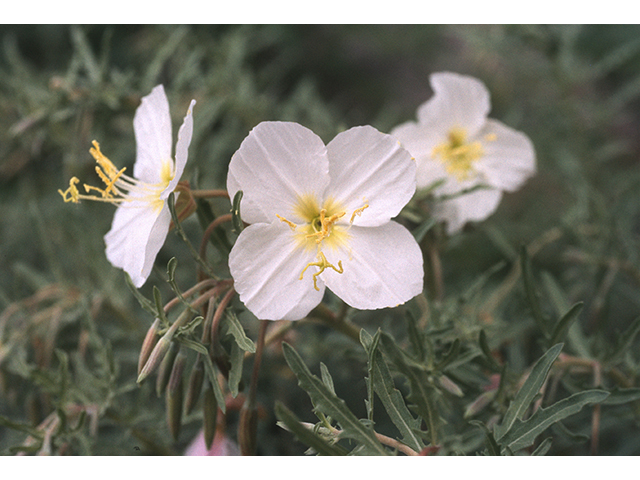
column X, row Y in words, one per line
column 322, row 264
column 358, row 212
column 324, row 225
column 457, row 154
column 291, row 224
column 321, row 228
column 118, row 187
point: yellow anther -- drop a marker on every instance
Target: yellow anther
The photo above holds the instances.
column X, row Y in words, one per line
column 108, row 167
column 358, row 212
column 458, row 155
column 322, row 264
column 491, row 137
column 291, row 224
column 111, row 184
column 325, row 225
column 71, row 194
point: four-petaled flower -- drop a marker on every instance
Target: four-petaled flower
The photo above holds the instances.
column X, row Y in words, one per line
column 455, row 142
column 142, row 219
column 321, row 216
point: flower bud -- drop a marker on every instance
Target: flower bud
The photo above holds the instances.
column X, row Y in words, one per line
column 148, row 344
column 174, row 394
column 210, row 414
column 449, row 385
column 248, row 430
column 479, row 403
column 196, row 380
column 165, row 368
column 160, row 350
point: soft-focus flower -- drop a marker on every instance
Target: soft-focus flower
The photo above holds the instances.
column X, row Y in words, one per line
column 453, row 141
column 142, row 219
column 321, row 216
column 221, row 446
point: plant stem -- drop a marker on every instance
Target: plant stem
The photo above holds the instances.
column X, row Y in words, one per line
column 209, row 193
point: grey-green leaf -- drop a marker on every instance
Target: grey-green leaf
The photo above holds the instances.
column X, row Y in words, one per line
column 304, row 434
column 329, row 404
column 562, row 327
column 523, row 434
column 232, row 326
column 528, row 391
column 390, row 397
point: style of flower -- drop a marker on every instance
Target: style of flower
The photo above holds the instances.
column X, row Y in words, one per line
column 454, row 142
column 142, row 219
column 321, row 216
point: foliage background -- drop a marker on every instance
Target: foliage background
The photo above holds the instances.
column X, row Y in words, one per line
column 70, row 329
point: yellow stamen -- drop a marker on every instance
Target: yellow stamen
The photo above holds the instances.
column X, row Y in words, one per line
column 358, row 212
column 458, row 155
column 325, row 225
column 322, row 264
column 291, row 224
column 108, row 167
column 71, row 194
column 119, row 188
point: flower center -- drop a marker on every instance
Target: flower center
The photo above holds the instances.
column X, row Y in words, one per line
column 457, row 154
column 321, row 229
column 119, row 188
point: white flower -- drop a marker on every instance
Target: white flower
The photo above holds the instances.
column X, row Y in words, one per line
column 142, row 219
column 321, row 216
column 454, row 141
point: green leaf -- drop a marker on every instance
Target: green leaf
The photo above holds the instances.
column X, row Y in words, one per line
column 625, row 341
column 304, row 434
column 523, row 434
column 543, row 448
column 528, row 391
column 157, row 297
column 218, row 237
column 209, row 368
column 144, row 302
column 450, row 356
column 420, row 232
column 326, row 378
column 562, row 327
column 236, row 358
column 329, row 404
column 530, row 290
column 492, row 446
column 180, row 231
column 21, row 427
column 486, row 350
column 236, row 219
column 392, row 401
column 422, row 393
column 230, row 325
column 619, row 396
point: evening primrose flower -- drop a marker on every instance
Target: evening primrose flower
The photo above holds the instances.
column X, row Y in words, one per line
column 142, row 219
column 320, row 216
column 454, row 142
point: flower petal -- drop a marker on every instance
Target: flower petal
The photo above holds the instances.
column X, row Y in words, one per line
column 136, row 236
column 474, row 206
column 382, row 268
column 459, row 100
column 508, row 160
column 369, row 167
column 182, row 150
column 275, row 165
column 152, row 127
column 266, row 263
column 420, row 140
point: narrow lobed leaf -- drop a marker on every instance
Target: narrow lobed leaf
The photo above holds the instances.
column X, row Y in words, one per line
column 528, row 391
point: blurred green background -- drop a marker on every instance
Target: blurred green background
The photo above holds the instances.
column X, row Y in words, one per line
column 574, row 90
